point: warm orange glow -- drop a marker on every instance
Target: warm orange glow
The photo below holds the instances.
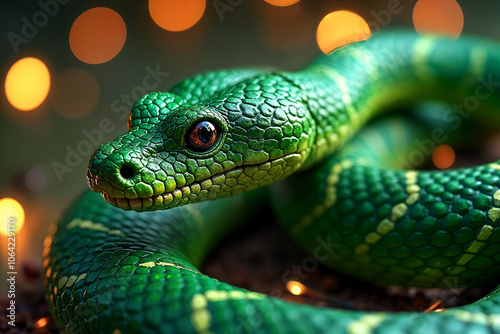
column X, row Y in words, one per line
column 443, row 156
column 11, row 215
column 75, row 93
column 41, row 323
column 443, row 16
column 340, row 28
column 440, row 310
column 282, row 3
column 27, row 83
column 295, row 287
column 176, row 15
column 433, row 306
column 97, row 35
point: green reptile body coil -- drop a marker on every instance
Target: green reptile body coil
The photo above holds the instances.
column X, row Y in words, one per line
column 131, row 267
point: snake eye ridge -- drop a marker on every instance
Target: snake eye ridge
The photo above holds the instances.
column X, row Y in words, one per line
column 202, row 136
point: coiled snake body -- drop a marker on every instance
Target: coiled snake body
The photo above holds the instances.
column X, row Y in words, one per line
column 117, row 269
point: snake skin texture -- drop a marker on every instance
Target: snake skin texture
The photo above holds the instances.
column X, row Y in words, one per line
column 131, row 267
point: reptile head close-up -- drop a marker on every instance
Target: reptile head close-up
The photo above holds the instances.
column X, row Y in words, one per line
column 176, row 152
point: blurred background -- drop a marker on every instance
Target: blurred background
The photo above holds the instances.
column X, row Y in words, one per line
column 71, row 70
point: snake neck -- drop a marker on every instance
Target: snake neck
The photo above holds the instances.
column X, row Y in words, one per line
column 351, row 86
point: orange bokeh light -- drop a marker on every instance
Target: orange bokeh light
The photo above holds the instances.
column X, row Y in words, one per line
column 97, row 35
column 75, row 93
column 176, row 15
column 27, row 83
column 41, row 323
column 443, row 156
column 443, row 17
column 340, row 28
column 282, row 3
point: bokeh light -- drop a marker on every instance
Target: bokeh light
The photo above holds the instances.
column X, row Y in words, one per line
column 443, row 156
column 75, row 93
column 340, row 28
column 36, row 178
column 295, row 287
column 443, row 17
column 97, row 35
column 10, row 211
column 27, row 83
column 282, row 3
column 176, row 15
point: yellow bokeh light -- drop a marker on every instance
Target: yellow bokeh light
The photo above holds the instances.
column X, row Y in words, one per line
column 176, row 15
column 282, row 3
column 11, row 216
column 97, row 35
column 340, row 28
column 27, row 83
column 295, row 287
column 443, row 156
column 443, row 17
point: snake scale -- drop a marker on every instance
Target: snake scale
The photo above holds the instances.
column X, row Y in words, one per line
column 131, row 267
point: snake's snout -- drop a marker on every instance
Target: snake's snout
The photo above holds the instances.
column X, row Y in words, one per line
column 122, row 177
column 114, row 173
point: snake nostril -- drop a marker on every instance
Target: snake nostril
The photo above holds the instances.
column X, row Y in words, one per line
column 127, row 172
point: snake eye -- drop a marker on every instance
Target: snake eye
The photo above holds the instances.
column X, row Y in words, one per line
column 201, row 136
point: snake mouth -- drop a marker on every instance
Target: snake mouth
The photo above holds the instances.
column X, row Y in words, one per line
column 211, row 188
column 228, row 183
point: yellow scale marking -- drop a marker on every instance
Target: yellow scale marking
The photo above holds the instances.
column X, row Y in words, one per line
column 90, row 225
column 164, row 264
column 201, row 317
column 341, row 83
column 412, row 188
column 366, row 323
column 478, row 57
column 476, row 245
column 346, row 98
column 366, row 58
column 330, row 195
column 494, row 165
column 421, row 53
column 492, row 320
column 398, row 211
column 494, row 212
column 65, row 282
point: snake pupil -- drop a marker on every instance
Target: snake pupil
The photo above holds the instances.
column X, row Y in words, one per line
column 202, row 136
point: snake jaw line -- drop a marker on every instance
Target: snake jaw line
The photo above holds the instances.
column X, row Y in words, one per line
column 228, row 183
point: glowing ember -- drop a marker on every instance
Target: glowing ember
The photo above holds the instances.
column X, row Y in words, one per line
column 41, row 323
column 295, row 287
column 433, row 306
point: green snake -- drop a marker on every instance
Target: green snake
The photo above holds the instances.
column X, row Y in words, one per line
column 132, row 267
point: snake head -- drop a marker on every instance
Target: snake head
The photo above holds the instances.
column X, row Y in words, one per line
column 244, row 137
